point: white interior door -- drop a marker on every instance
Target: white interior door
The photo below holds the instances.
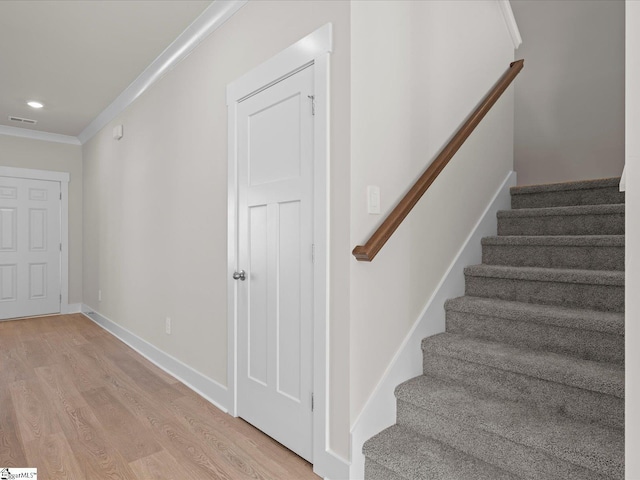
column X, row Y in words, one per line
column 29, row 247
column 275, row 214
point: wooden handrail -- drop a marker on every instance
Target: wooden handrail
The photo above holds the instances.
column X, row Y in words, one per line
column 367, row 252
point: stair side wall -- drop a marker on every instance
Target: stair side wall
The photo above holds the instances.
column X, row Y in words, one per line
column 380, row 410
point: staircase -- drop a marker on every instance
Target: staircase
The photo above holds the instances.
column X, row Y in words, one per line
column 528, row 379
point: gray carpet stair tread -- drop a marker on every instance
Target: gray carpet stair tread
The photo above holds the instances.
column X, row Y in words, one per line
column 416, row 457
column 585, row 252
column 605, row 322
column 565, row 186
column 596, row 447
column 600, row 377
column 375, row 471
column 556, row 240
column 594, row 192
column 606, row 209
column 541, row 274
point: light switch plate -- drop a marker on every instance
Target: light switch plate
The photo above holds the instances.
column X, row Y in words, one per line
column 373, row 199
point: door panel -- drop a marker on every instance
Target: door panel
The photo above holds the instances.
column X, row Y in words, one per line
column 275, row 191
column 8, row 283
column 289, row 299
column 274, row 142
column 29, row 247
column 8, row 229
column 37, row 230
column 257, row 347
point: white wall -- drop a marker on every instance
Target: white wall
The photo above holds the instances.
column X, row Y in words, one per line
column 570, row 98
column 632, row 251
column 418, row 69
column 22, row 152
column 155, row 213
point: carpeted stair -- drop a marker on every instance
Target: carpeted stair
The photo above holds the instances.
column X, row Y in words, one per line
column 527, row 382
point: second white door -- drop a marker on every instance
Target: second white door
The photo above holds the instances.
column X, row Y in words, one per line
column 275, row 235
column 29, row 247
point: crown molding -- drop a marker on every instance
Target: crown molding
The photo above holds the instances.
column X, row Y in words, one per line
column 38, row 135
column 510, row 20
column 209, row 21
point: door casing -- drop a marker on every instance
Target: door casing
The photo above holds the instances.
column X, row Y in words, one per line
column 314, row 49
column 63, row 179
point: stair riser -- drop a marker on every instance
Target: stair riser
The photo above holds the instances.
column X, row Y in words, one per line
column 524, row 461
column 375, row 471
column 549, row 256
column 573, row 295
column 596, row 196
column 419, row 457
column 588, row 224
column 547, row 396
column 585, row 344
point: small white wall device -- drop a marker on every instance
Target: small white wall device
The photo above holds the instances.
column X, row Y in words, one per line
column 117, row 132
column 373, row 199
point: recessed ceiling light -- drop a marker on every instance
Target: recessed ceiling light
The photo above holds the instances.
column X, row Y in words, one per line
column 34, row 104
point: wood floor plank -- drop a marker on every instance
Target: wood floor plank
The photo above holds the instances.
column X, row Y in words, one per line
column 73, row 363
column 37, row 353
column 77, row 403
column 36, row 418
column 11, row 447
column 258, row 445
column 244, row 457
column 52, row 455
column 10, row 335
column 159, row 466
column 126, row 432
column 13, row 367
column 136, row 370
column 155, row 415
column 96, row 456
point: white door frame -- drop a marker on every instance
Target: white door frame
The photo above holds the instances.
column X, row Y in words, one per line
column 312, row 49
column 63, row 179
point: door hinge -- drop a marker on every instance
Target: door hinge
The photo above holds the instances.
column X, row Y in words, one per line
column 313, row 253
column 312, row 401
column 60, row 247
column 313, row 104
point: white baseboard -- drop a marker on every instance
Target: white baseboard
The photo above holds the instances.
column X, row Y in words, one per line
column 214, row 392
column 331, row 466
column 380, row 410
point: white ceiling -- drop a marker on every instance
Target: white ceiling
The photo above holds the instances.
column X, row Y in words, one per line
column 77, row 56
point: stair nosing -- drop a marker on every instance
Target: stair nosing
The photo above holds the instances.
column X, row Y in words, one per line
column 576, row 376
column 437, row 396
column 411, row 434
column 594, row 184
column 564, row 211
column 547, row 274
column 607, row 322
column 606, row 241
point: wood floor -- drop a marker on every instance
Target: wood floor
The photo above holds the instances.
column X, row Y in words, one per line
column 77, row 403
